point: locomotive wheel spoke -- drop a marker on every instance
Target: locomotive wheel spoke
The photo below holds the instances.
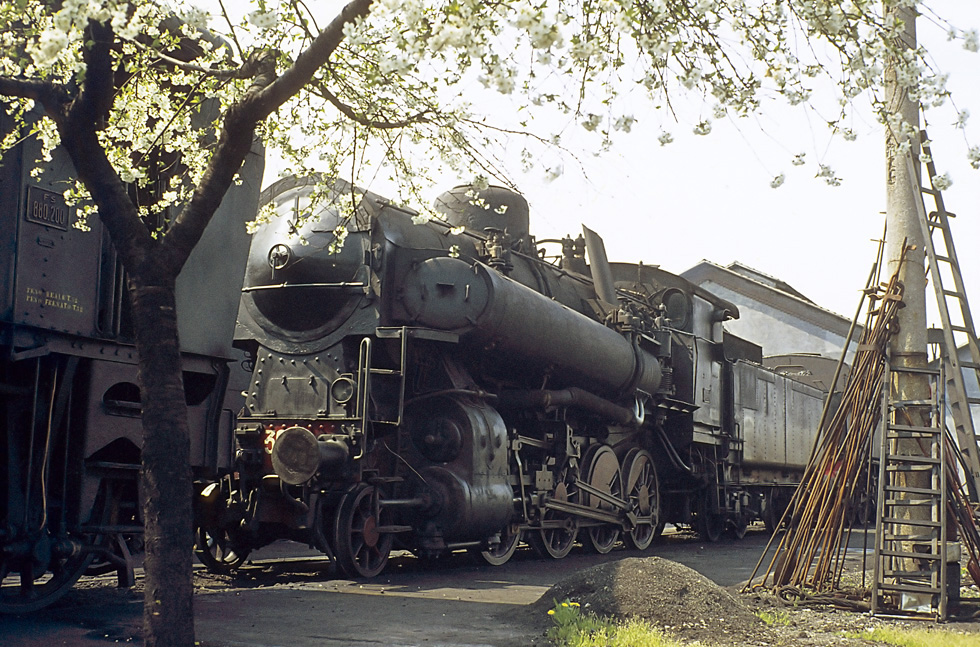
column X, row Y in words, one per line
column 361, row 550
column 643, row 493
column 602, row 468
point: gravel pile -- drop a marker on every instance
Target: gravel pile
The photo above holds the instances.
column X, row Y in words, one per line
column 668, row 595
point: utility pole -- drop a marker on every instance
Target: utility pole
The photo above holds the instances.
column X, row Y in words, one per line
column 908, row 346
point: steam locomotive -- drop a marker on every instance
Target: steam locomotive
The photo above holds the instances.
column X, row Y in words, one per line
column 453, row 383
column 70, row 431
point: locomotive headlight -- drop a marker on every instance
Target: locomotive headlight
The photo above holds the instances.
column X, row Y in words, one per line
column 342, row 390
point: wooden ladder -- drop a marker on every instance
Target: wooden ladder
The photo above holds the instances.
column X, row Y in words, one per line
column 910, row 572
column 957, row 333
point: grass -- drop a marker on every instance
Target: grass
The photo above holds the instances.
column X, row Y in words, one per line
column 917, row 637
column 575, row 628
column 774, row 618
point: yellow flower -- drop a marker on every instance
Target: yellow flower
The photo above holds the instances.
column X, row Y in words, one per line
column 551, row 612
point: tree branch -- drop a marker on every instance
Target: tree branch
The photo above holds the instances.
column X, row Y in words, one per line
column 51, row 96
column 351, row 114
column 267, row 93
column 309, row 61
column 90, row 108
column 242, row 72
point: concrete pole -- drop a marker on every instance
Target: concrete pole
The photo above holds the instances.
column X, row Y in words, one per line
column 902, row 219
column 908, row 346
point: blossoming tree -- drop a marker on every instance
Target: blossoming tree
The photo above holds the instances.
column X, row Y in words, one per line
column 373, row 84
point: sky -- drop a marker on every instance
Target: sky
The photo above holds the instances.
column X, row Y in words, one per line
column 708, row 197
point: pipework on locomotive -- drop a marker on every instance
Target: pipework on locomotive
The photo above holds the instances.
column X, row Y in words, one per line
column 421, row 388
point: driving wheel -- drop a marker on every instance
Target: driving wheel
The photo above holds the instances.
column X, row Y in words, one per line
column 557, row 541
column 642, row 492
column 604, row 475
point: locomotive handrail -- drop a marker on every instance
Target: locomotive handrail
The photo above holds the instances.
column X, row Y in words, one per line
column 343, row 284
column 364, row 383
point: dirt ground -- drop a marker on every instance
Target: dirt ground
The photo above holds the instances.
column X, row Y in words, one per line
column 691, row 607
column 294, row 598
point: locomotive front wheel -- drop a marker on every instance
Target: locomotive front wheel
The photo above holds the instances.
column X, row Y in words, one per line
column 500, row 553
column 605, row 476
column 361, row 548
column 217, row 552
column 644, row 496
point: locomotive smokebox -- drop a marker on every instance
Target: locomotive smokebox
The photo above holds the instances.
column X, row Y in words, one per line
column 299, row 282
column 492, row 208
column 298, row 455
column 524, row 327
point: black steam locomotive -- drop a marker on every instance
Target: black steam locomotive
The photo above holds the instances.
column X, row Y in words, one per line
column 448, row 384
column 70, row 432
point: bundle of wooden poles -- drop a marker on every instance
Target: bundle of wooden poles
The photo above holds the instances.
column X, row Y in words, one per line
column 810, row 554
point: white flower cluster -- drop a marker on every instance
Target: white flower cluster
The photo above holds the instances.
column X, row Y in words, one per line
column 942, row 182
column 973, row 155
column 828, row 175
column 264, row 19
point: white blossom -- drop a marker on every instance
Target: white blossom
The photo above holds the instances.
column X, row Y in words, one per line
column 665, row 138
column 777, row 181
column 974, row 156
column 50, row 45
column 624, row 123
column 971, row 41
column 703, row 127
column 828, row 175
column 942, row 182
column 591, row 122
column 263, row 19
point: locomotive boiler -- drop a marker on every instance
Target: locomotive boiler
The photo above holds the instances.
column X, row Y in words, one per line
column 447, row 383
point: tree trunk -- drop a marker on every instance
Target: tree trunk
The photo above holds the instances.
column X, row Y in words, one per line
column 168, row 618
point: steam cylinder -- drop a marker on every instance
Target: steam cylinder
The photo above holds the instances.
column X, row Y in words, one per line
column 487, row 308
